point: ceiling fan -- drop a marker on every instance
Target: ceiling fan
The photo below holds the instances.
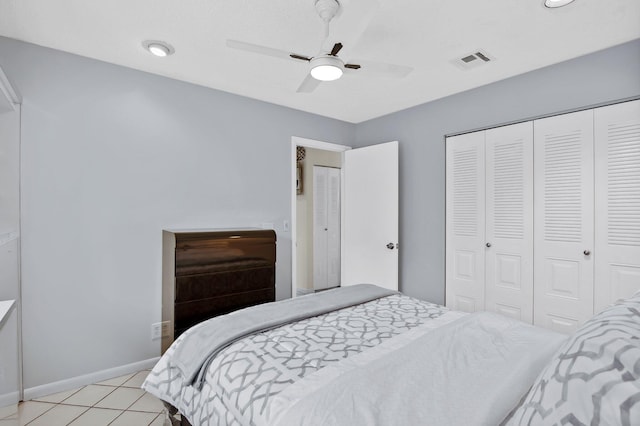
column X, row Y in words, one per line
column 326, row 65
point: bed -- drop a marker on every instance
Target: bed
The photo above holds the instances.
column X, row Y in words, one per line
column 363, row 355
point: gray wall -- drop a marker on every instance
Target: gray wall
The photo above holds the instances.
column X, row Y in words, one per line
column 110, row 157
column 604, row 76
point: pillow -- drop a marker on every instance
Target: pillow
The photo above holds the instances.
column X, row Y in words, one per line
column 594, row 377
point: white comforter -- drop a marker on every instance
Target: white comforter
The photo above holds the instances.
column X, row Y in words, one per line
column 472, row 371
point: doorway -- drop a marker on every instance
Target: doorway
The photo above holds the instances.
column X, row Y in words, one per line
column 315, row 260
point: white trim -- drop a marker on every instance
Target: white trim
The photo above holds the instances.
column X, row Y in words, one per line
column 10, row 398
column 19, row 299
column 87, row 379
column 307, row 143
column 312, row 143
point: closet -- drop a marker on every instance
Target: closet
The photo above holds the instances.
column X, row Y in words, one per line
column 326, row 227
column 543, row 217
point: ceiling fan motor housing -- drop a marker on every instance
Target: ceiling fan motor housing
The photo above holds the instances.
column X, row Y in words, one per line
column 327, row 9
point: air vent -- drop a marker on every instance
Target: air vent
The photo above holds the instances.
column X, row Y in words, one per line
column 473, row 60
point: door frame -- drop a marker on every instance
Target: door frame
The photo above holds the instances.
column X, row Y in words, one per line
column 315, row 144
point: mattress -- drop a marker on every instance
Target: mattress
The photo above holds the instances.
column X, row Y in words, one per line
column 243, row 379
column 393, row 360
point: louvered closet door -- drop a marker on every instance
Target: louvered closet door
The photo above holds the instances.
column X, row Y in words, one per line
column 509, row 221
column 563, row 221
column 617, row 168
column 465, row 222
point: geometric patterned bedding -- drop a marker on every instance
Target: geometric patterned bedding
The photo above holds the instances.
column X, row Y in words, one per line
column 244, row 376
column 594, row 378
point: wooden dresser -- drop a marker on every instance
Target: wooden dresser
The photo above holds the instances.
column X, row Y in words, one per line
column 206, row 273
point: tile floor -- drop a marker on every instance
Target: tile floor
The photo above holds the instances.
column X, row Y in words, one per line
column 116, row 402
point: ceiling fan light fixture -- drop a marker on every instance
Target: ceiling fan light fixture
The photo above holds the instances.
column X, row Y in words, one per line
column 158, row 48
column 552, row 4
column 326, row 68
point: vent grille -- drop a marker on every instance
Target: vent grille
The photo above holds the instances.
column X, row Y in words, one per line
column 473, row 59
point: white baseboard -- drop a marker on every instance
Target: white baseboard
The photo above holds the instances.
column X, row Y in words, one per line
column 87, row 379
column 10, row 398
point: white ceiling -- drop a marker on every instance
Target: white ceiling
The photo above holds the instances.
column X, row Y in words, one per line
column 425, row 34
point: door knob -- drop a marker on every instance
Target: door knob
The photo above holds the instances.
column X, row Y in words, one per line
column 390, row 246
column 488, row 245
column 586, row 252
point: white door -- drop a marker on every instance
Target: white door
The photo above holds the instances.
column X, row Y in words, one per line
column 465, row 226
column 326, row 227
column 509, row 221
column 617, row 192
column 333, row 222
column 563, row 220
column 370, row 202
column 320, row 227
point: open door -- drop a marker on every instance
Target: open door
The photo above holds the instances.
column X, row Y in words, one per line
column 370, row 223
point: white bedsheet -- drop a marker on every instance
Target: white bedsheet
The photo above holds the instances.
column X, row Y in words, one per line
column 472, row 371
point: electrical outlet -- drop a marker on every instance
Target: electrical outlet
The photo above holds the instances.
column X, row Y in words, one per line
column 156, row 331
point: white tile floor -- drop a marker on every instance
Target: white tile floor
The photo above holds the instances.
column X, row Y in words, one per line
column 117, row 402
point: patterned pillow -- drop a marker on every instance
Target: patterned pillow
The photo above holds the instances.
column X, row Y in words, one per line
column 594, row 378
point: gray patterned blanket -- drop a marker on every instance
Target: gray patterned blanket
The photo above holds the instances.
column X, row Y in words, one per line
column 197, row 350
column 469, row 372
column 242, row 380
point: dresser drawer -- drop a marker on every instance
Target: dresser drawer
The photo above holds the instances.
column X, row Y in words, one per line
column 188, row 314
column 196, row 287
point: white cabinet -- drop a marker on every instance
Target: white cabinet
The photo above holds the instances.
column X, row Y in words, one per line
column 489, row 221
column 543, row 217
column 563, row 158
column 326, row 227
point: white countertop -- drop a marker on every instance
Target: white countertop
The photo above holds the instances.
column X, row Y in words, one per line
column 5, row 309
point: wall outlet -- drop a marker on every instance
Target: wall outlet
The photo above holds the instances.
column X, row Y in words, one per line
column 160, row 330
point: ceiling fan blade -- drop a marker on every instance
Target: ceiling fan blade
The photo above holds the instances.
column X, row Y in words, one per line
column 262, row 50
column 352, row 66
column 303, row 58
column 381, row 68
column 308, row 85
column 336, row 49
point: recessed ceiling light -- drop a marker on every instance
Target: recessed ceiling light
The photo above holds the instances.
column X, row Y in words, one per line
column 158, row 48
column 326, row 68
column 556, row 3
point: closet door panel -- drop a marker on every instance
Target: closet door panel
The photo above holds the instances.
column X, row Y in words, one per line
column 563, row 220
column 320, row 227
column 333, row 222
column 509, row 221
column 465, row 222
column 617, row 192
